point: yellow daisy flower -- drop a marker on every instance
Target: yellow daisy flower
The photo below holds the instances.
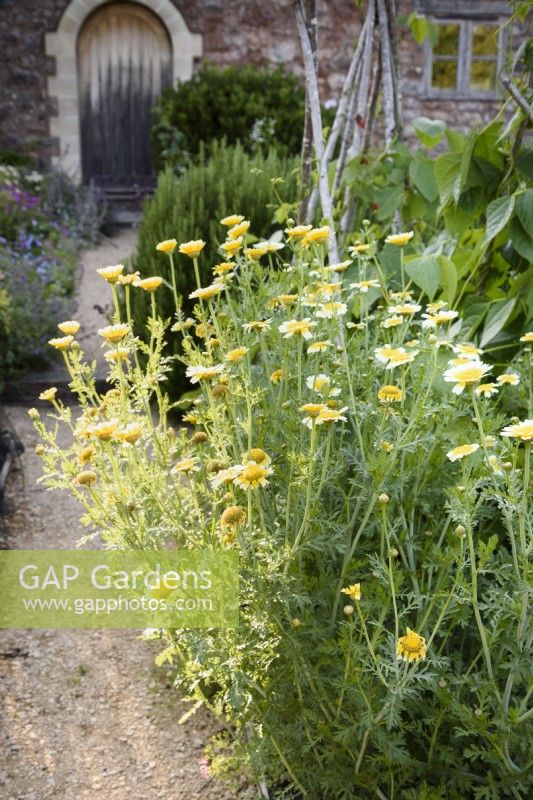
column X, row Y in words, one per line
column 258, row 456
column 297, row 327
column 48, row 394
column 257, row 325
column 117, row 355
column 390, row 394
column 231, row 220
column 254, row 253
column 231, row 247
column 469, row 350
column 522, row 431
column 312, row 410
column 200, row 373
column 465, row 375
column 298, row 232
column 331, row 310
column 341, row 267
column 206, row 292
column 238, row 230
column 70, row 327
column 114, row 333
column 330, row 415
column 276, row 376
column 359, row 248
column 318, row 347
column 167, row 246
column 406, row 309
column 223, row 268
column 353, row 591
column 411, row 647
column 129, row 434
column 62, row 343
column 237, row 354
column 86, row 454
column 463, row 450
column 527, row 337
column 284, row 300
column 392, row 322
column 399, row 239
column 253, row 476
column 111, row 274
column 150, row 284
column 192, row 248
column 364, row 286
column 104, row 430
column 187, row 465
column 510, row 378
column 315, row 236
column 486, row 389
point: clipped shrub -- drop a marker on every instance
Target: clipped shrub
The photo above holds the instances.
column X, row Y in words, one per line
column 375, row 488
column 196, row 201
column 256, row 106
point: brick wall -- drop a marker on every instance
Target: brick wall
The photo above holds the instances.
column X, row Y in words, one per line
column 256, row 31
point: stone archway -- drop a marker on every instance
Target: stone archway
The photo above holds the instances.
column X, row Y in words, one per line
column 63, row 86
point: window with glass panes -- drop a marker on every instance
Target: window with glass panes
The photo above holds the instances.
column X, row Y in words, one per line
column 464, row 61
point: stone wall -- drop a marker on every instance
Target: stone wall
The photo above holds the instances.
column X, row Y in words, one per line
column 233, row 31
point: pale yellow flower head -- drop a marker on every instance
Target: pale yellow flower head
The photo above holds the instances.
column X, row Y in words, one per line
column 111, row 274
column 353, row 591
column 297, row 327
column 527, row 338
column 70, row 327
column 167, row 246
column 63, row 343
column 150, row 284
column 199, row 373
column 523, row 431
column 187, row 465
column 315, row 236
column 237, row 354
column 238, row 230
column 399, row 239
column 114, row 333
column 232, row 246
column 253, row 476
column 276, row 376
column 206, row 292
column 49, row 394
column 298, row 232
column 486, row 389
column 411, row 647
column 463, row 450
column 192, row 248
column 318, row 347
column 465, row 375
column 223, row 268
column 390, row 394
column 232, row 220
column 509, row 378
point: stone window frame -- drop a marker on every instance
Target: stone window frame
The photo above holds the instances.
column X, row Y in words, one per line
column 466, row 14
column 61, row 46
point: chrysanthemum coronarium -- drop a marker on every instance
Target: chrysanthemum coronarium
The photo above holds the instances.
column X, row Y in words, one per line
column 411, row 647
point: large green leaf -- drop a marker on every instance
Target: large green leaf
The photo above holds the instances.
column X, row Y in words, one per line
column 425, row 272
column 522, row 243
column 464, row 169
column 496, row 318
column 429, row 131
column 388, row 199
column 422, row 174
column 446, row 175
column 524, row 211
column 447, row 278
column 456, row 140
column 498, row 215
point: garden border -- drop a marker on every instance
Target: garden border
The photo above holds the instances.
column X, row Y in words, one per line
column 63, row 85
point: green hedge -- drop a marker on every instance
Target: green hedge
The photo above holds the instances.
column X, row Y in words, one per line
column 256, row 106
column 189, row 207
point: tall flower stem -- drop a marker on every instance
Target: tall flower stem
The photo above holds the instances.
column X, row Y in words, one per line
column 173, row 277
column 197, row 273
column 305, row 520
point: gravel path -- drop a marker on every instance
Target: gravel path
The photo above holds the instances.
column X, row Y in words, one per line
column 85, row 715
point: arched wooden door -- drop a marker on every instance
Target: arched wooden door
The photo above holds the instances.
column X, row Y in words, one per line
column 124, row 62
